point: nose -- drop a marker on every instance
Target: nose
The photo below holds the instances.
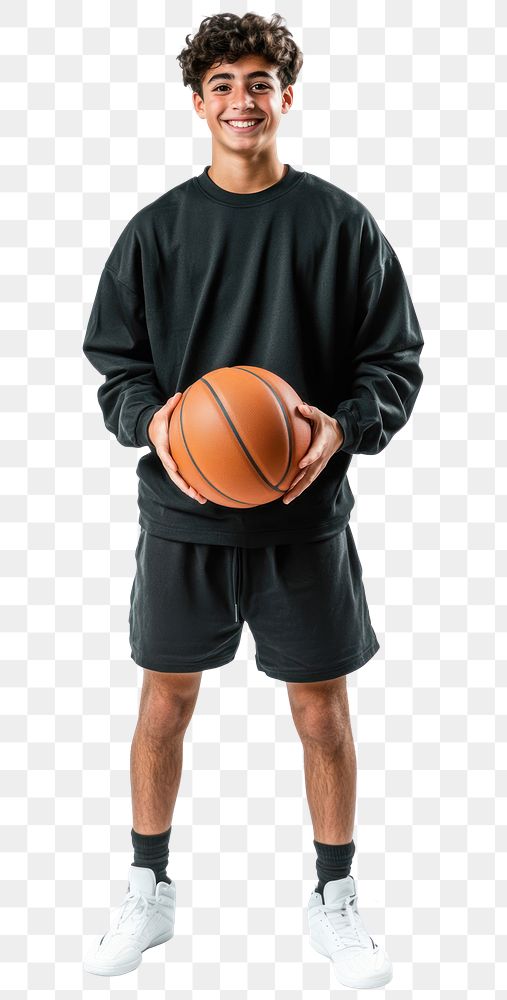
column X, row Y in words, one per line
column 246, row 101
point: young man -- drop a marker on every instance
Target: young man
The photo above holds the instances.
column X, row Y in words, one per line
column 251, row 262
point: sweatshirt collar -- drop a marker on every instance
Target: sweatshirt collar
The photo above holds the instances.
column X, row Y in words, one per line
column 287, row 182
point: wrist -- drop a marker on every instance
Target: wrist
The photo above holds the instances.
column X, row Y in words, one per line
column 142, row 429
column 148, row 430
column 339, row 433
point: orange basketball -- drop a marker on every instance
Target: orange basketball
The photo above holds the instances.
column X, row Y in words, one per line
column 237, row 436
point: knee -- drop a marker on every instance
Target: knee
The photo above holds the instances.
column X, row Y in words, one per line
column 166, row 705
column 164, row 718
column 323, row 728
column 319, row 718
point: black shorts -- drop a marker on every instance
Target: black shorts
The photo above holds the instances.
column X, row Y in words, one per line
column 304, row 604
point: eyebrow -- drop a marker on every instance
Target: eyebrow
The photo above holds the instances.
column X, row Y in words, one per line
column 248, row 76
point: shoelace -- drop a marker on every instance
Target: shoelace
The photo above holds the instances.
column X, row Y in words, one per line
column 126, row 910
column 345, row 919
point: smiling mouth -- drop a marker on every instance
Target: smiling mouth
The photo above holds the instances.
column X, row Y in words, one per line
column 243, row 128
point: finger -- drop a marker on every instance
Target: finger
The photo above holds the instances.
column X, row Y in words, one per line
column 189, row 490
column 166, row 456
column 310, row 457
column 168, row 459
column 291, row 495
column 172, row 471
column 306, row 409
column 172, row 403
column 295, row 481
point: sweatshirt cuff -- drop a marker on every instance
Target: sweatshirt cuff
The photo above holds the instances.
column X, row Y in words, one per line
column 143, row 421
column 349, row 427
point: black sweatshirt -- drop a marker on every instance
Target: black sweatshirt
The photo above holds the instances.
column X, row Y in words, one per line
column 297, row 278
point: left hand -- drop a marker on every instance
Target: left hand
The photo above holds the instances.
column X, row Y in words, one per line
column 327, row 438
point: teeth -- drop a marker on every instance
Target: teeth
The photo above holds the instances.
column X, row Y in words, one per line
column 242, row 124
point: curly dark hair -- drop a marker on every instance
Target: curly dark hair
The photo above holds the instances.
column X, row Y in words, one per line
column 228, row 37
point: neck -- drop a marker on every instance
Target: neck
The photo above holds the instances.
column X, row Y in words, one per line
column 243, row 178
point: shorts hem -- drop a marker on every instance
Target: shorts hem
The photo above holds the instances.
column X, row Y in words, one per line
column 348, row 666
column 178, row 668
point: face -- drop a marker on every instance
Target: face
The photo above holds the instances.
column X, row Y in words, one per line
column 247, row 89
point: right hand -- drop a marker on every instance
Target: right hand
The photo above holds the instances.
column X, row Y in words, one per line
column 158, row 433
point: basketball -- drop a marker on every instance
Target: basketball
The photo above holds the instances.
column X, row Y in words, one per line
column 237, row 437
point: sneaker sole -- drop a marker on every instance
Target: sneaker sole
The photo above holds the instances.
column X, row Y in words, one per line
column 108, row 970
column 359, row 984
column 96, row 970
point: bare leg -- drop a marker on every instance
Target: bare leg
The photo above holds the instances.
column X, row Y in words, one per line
column 166, row 707
column 321, row 715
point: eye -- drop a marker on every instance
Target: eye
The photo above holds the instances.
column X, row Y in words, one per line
column 255, row 85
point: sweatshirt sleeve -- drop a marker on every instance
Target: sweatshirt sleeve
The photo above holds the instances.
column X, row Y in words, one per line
column 385, row 373
column 117, row 344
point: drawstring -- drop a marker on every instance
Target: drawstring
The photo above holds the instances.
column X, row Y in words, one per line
column 235, row 582
column 234, row 561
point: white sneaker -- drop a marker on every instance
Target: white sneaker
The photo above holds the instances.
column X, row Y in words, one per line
column 337, row 931
column 144, row 919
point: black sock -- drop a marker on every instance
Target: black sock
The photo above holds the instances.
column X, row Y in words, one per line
column 152, row 851
column 333, row 862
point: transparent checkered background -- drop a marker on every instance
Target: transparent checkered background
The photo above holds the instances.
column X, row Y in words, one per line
column 399, row 104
